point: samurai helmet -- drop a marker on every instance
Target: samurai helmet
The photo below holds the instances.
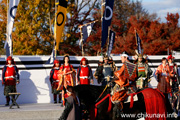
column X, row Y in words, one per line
column 106, row 57
column 140, row 55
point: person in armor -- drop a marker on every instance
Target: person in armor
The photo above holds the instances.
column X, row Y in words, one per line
column 66, row 77
column 108, row 72
column 175, row 86
column 84, row 73
column 10, row 77
column 54, row 80
column 112, row 63
column 98, row 73
column 124, row 84
column 104, row 71
column 144, row 72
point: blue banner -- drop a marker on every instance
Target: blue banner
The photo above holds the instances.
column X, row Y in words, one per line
column 108, row 13
column 111, row 41
column 86, row 31
column 138, row 43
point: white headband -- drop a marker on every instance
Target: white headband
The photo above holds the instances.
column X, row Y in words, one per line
column 125, row 55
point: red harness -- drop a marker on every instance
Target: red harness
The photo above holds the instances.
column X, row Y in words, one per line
column 109, row 106
column 132, row 101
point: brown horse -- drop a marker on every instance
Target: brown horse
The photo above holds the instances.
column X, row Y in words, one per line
column 101, row 108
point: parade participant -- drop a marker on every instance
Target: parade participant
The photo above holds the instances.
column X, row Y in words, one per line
column 66, row 76
column 175, row 86
column 174, row 73
column 72, row 106
column 106, row 71
column 98, row 73
column 112, row 63
column 163, row 76
column 54, row 80
column 84, row 73
column 124, row 84
column 144, row 71
column 10, row 77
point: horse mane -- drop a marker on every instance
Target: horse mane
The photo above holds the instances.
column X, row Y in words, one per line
column 88, row 94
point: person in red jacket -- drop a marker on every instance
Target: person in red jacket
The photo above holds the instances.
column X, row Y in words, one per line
column 10, row 77
column 54, row 80
column 84, row 73
column 66, row 77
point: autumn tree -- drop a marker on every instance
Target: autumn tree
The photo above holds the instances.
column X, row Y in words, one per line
column 156, row 37
column 79, row 13
column 123, row 10
column 33, row 26
column 31, row 33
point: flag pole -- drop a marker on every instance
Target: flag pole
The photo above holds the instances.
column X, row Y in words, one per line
column 87, row 23
column 168, row 51
column 11, row 42
column 135, row 36
column 108, row 39
column 102, row 4
column 50, row 17
column 55, row 49
column 7, row 26
column 82, row 45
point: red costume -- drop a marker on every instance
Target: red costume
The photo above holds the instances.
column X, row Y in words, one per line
column 10, row 73
column 124, row 81
column 66, row 79
column 54, row 75
column 9, row 77
column 174, row 71
column 84, row 73
column 54, row 81
column 163, row 78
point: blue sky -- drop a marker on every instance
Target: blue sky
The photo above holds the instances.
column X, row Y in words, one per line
column 162, row 7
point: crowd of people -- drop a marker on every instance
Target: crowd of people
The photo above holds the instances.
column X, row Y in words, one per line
column 130, row 78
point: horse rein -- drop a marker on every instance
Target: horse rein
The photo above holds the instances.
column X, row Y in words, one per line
column 102, row 93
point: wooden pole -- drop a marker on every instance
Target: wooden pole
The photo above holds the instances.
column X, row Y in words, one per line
column 55, row 49
column 168, row 51
column 7, row 25
column 82, row 45
column 102, row 9
column 135, row 36
column 50, row 17
column 80, row 26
